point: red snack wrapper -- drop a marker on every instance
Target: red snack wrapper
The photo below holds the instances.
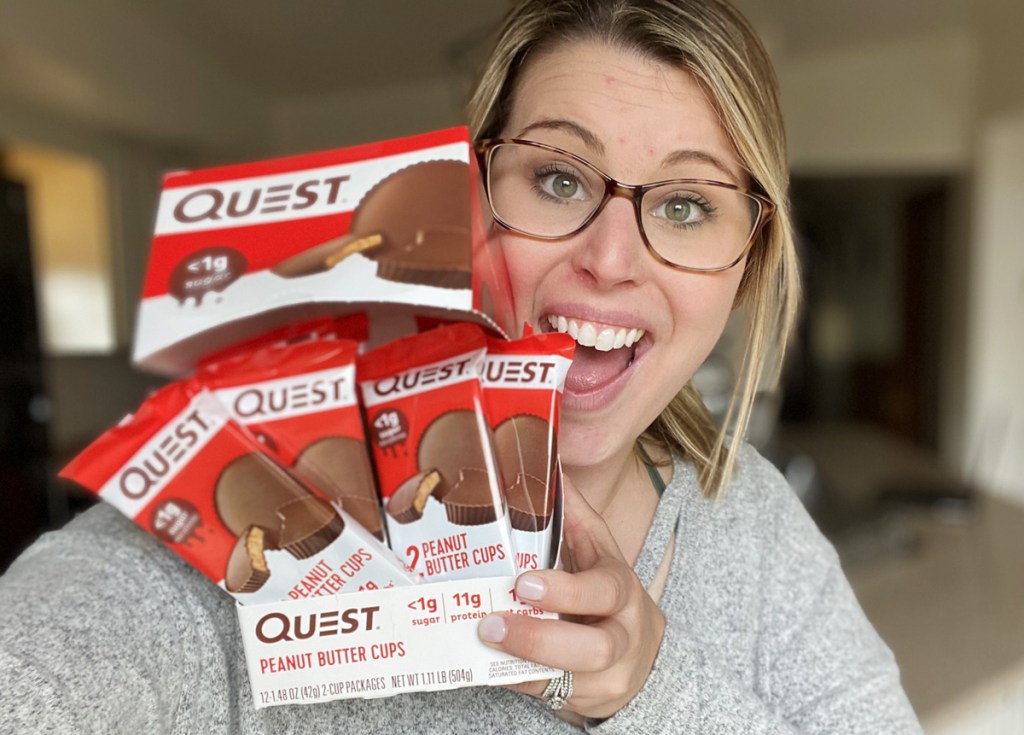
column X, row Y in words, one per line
column 523, row 382
column 186, row 473
column 299, row 401
column 352, row 326
column 432, row 449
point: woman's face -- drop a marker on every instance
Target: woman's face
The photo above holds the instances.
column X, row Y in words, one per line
column 639, row 121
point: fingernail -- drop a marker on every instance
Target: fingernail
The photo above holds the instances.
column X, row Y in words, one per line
column 529, row 587
column 491, row 629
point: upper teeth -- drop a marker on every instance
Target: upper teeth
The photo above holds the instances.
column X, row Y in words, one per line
column 599, row 336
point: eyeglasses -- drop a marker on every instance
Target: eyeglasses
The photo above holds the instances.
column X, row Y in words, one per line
column 550, row 194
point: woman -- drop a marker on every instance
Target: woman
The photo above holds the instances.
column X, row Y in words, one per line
column 757, row 629
column 701, row 598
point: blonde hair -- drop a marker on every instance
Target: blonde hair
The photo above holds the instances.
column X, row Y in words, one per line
column 714, row 43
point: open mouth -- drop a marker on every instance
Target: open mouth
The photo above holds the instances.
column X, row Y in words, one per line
column 604, row 352
column 601, row 337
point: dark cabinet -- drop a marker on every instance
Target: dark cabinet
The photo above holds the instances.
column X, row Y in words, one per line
column 23, row 403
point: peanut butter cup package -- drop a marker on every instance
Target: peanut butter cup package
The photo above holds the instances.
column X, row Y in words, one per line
column 351, row 326
column 299, row 401
column 433, row 452
column 186, row 473
column 523, row 381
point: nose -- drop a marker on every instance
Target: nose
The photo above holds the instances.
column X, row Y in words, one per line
column 610, row 250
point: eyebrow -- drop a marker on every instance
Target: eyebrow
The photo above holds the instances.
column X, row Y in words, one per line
column 691, row 156
column 588, row 138
column 593, row 143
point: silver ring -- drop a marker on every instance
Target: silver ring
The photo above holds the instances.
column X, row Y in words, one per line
column 558, row 691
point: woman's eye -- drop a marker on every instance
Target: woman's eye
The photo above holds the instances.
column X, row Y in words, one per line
column 679, row 210
column 560, row 185
column 563, row 186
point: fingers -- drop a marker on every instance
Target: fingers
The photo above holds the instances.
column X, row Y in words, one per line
column 604, row 589
column 556, row 643
column 584, row 531
column 610, row 630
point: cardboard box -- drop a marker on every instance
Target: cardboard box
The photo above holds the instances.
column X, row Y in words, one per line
column 382, row 643
column 394, row 228
column 397, row 230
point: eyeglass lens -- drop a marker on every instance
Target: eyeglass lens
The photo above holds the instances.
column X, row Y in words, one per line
column 547, row 194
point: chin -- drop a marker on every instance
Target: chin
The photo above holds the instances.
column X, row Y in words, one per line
column 587, row 446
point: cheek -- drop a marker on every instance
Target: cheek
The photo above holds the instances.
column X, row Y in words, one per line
column 527, row 267
column 702, row 306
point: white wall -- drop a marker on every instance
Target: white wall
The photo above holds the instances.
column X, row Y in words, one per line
column 133, row 168
column 102, row 64
column 994, row 391
column 302, row 124
column 903, row 105
column 69, row 222
column 939, row 103
column 907, row 106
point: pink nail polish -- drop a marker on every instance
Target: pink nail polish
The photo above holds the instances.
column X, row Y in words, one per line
column 492, row 629
column 529, row 587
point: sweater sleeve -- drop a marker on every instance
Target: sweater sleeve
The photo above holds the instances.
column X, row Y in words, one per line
column 103, row 630
column 825, row 667
column 689, row 692
column 786, row 649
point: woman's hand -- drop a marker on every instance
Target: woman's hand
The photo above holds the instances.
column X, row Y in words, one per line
column 610, row 630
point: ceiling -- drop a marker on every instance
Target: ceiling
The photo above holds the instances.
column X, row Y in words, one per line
column 257, row 75
column 310, row 46
column 290, row 48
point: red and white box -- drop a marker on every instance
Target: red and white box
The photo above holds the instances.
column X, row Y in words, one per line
column 396, row 230
column 242, row 249
column 378, row 644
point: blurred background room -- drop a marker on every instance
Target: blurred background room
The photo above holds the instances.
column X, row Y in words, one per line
column 899, row 418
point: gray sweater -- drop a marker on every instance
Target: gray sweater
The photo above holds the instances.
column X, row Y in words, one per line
column 104, row 630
